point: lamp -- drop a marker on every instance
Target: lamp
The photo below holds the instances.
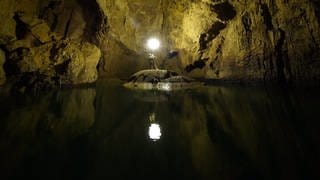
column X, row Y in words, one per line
column 153, row 44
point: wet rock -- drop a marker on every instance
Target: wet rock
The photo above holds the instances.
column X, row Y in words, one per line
column 159, row 79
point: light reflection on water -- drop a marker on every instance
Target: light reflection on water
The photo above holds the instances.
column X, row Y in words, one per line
column 154, row 128
column 154, row 131
column 204, row 133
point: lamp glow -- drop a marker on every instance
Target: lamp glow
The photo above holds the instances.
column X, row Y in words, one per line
column 153, row 44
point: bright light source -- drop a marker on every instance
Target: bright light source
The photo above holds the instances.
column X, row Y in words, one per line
column 153, row 44
column 154, row 132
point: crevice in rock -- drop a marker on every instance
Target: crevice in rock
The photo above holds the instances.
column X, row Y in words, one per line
column 53, row 51
column 316, row 4
column 21, row 27
column 47, row 13
column 13, row 58
column 67, row 26
column 224, row 10
column 62, row 68
column 279, row 56
column 247, row 22
column 267, row 16
column 214, row 65
column 213, row 32
column 96, row 21
column 197, row 64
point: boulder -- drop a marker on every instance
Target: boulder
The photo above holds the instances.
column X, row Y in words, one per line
column 160, row 79
column 67, row 62
column 76, row 62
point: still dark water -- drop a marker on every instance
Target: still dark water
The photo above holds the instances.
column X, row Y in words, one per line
column 109, row 132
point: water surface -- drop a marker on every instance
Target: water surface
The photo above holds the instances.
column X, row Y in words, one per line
column 213, row 132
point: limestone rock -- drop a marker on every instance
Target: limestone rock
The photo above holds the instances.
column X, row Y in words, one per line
column 265, row 40
column 120, row 61
column 2, row 72
column 247, row 40
column 50, row 42
column 133, row 21
column 42, row 32
column 6, row 14
column 67, row 62
column 14, row 45
column 79, row 61
column 239, row 40
column 130, row 24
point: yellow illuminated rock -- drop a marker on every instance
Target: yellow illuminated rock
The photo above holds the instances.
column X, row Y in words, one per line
column 226, row 40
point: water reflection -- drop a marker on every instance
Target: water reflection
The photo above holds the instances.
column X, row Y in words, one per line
column 154, row 131
column 37, row 129
column 154, row 128
column 206, row 133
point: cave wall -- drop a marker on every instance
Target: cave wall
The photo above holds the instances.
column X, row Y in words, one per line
column 131, row 23
column 214, row 39
column 257, row 40
column 229, row 40
column 50, row 42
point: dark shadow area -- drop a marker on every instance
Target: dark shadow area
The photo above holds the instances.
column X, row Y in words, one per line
column 96, row 22
column 316, row 4
column 21, row 27
column 213, row 32
column 267, row 16
column 224, row 10
column 279, row 56
column 197, row 64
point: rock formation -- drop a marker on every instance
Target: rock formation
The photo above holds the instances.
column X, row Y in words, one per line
column 50, row 43
column 238, row 40
column 264, row 40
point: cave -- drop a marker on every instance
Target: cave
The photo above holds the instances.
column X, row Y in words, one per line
column 164, row 89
